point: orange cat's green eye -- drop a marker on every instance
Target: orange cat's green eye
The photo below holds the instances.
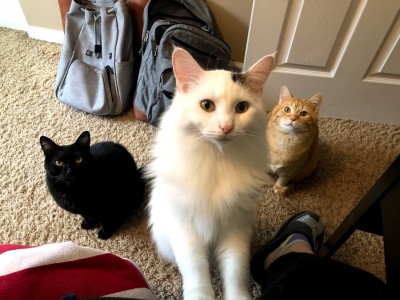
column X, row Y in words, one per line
column 242, row 107
column 286, row 109
column 78, row 160
column 59, row 163
column 207, row 105
column 303, row 113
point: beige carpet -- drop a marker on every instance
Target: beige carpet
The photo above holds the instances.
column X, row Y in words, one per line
column 354, row 155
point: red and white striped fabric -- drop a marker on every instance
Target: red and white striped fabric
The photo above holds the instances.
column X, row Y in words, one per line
column 53, row 271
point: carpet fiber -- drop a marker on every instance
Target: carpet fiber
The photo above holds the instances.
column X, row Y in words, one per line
column 354, row 155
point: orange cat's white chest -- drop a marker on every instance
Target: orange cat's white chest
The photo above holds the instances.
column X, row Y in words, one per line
column 274, row 168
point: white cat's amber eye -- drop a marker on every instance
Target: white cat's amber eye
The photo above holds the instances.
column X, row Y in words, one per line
column 207, row 105
column 59, row 163
column 242, row 107
column 303, row 113
column 78, row 160
column 286, row 109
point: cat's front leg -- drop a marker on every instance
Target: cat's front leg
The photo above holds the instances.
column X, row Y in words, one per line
column 282, row 190
column 104, row 234
column 191, row 256
column 282, row 185
column 88, row 223
column 233, row 255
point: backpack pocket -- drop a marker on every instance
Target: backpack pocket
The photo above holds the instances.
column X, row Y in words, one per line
column 208, row 50
column 87, row 88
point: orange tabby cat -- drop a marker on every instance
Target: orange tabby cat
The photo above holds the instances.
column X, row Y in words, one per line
column 292, row 136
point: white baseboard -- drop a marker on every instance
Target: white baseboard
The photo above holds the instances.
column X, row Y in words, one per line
column 45, row 34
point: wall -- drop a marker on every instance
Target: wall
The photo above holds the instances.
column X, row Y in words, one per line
column 232, row 18
column 12, row 16
column 46, row 15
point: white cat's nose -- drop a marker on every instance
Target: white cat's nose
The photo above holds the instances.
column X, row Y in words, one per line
column 226, row 128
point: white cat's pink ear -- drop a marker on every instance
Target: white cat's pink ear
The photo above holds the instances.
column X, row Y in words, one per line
column 316, row 100
column 258, row 74
column 284, row 94
column 186, row 70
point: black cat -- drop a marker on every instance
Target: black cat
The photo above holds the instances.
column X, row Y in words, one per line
column 100, row 182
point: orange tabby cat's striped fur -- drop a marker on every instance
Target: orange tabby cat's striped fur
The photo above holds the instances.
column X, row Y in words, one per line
column 293, row 141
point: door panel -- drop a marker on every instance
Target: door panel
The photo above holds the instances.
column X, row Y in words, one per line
column 347, row 50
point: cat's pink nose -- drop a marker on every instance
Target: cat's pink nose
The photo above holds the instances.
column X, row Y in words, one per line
column 226, row 128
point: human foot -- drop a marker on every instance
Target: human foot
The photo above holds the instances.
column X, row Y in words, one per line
column 306, row 223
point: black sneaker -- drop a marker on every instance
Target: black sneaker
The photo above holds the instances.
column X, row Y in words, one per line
column 306, row 222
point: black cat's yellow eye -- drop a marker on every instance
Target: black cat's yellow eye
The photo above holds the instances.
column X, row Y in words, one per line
column 286, row 109
column 78, row 160
column 242, row 107
column 59, row 163
column 207, row 105
column 303, row 113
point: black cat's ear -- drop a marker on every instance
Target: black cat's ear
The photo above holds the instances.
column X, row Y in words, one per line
column 48, row 146
column 84, row 139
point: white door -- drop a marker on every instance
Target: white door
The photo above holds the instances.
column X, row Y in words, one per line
column 347, row 50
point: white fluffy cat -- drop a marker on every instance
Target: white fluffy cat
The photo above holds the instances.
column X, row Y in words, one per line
column 208, row 164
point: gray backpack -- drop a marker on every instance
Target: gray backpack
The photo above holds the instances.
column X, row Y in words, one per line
column 96, row 71
column 168, row 23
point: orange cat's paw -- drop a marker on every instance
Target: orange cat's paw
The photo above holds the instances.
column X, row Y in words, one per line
column 282, row 190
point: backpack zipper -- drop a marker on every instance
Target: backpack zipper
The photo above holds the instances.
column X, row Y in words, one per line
column 186, row 45
column 144, row 42
column 154, row 57
column 194, row 19
column 109, row 71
